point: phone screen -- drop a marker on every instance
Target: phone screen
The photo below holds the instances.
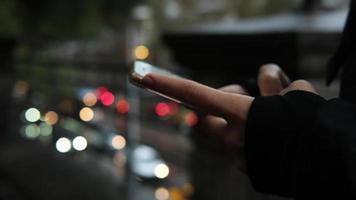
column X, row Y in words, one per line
column 140, row 69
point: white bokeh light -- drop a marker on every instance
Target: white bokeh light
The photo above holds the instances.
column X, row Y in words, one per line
column 80, row 143
column 161, row 171
column 32, row 115
column 63, row 145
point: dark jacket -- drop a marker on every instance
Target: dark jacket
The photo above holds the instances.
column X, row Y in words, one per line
column 303, row 146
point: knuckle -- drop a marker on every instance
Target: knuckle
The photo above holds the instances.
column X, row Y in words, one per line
column 300, row 83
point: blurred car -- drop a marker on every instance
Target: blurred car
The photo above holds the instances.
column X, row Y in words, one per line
column 146, row 163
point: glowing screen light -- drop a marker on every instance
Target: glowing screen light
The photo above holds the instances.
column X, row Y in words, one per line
column 32, row 115
column 63, row 145
column 162, row 109
column 162, row 193
column 86, row 114
column 107, row 98
column 161, row 171
column 80, row 143
column 89, row 99
column 118, row 142
column 141, row 52
column 123, row 106
column 51, row 117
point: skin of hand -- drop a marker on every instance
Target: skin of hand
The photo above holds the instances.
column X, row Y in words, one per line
column 225, row 109
column 272, row 80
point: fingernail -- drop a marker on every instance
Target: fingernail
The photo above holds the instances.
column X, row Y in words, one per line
column 147, row 81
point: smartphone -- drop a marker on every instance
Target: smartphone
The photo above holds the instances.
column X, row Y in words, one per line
column 140, row 69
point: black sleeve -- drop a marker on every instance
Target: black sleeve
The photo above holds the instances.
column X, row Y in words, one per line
column 300, row 145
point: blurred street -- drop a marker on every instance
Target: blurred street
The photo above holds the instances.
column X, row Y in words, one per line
column 74, row 127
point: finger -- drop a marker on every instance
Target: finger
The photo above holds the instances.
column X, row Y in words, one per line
column 299, row 85
column 214, row 125
column 217, row 125
column 201, row 97
column 271, row 80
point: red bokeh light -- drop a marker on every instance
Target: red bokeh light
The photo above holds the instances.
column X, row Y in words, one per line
column 107, row 98
column 162, row 109
column 100, row 91
column 122, row 106
column 191, row 119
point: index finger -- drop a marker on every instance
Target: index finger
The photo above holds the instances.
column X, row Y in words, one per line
column 201, row 97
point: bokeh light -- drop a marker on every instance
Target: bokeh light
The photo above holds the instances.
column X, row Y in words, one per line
column 191, row 119
column 162, row 109
column 21, row 88
column 188, row 189
column 63, row 145
column 80, row 143
column 107, row 98
column 100, row 91
column 161, row 171
column 32, row 115
column 89, row 99
column 118, row 142
column 122, row 106
column 32, row 131
column 45, row 129
column 120, row 159
column 176, row 193
column 162, row 193
column 51, row 118
column 86, row 114
column 141, row 52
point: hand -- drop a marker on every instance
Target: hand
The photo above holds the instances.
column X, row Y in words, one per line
column 226, row 109
column 219, row 127
column 231, row 103
column 271, row 81
column 229, row 108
